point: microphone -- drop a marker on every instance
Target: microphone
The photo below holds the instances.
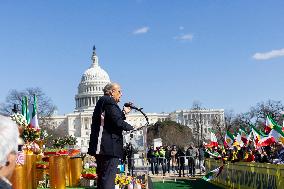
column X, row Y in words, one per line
column 129, row 104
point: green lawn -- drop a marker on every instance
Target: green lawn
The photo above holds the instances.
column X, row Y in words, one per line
column 189, row 184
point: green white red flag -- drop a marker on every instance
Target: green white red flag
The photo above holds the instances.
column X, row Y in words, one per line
column 213, row 140
column 276, row 133
column 229, row 139
column 213, row 174
column 244, row 136
column 268, row 124
column 25, row 109
column 34, row 121
column 238, row 140
column 214, row 154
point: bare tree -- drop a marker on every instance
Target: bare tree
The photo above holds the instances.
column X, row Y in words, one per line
column 262, row 109
column 45, row 107
column 219, row 126
column 229, row 119
column 257, row 114
column 197, row 122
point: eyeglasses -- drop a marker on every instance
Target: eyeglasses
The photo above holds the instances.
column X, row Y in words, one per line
column 119, row 91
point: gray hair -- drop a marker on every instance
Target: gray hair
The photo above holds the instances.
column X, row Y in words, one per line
column 108, row 88
column 9, row 134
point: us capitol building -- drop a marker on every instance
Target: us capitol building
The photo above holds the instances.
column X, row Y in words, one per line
column 90, row 89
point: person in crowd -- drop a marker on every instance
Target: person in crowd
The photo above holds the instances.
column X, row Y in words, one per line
column 257, row 155
column 174, row 158
column 196, row 159
column 168, row 158
column 181, row 160
column 106, row 140
column 157, row 155
column 192, row 152
column 280, row 154
column 190, row 160
column 162, row 159
column 249, row 157
column 201, row 158
column 129, row 158
column 152, row 158
column 264, row 157
column 235, row 155
column 8, row 150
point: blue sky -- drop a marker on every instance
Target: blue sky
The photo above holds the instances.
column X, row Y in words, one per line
column 165, row 54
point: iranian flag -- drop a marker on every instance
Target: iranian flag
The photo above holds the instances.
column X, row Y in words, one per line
column 213, row 174
column 274, row 123
column 214, row 154
column 277, row 132
column 276, row 135
column 268, row 124
column 25, row 109
column 238, row 140
column 229, row 139
column 244, row 136
column 257, row 136
column 34, row 121
column 266, row 141
column 213, row 140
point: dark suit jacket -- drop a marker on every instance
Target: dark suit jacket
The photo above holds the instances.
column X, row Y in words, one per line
column 4, row 185
column 106, row 136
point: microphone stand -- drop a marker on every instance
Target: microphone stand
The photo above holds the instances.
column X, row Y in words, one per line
column 144, row 143
column 146, row 117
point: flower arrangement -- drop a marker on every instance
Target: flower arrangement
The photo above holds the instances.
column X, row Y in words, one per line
column 89, row 173
column 31, row 134
column 31, row 148
column 61, row 142
column 74, row 152
column 34, row 139
column 123, row 182
column 55, row 151
column 19, row 119
column 71, row 140
column 31, row 138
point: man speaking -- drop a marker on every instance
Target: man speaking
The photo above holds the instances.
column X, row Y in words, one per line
column 106, row 140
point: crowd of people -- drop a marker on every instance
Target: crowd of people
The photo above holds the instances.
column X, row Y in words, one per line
column 268, row 154
column 172, row 159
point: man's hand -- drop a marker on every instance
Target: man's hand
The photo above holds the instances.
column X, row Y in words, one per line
column 126, row 110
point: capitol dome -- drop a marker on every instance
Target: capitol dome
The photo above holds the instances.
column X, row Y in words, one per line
column 90, row 88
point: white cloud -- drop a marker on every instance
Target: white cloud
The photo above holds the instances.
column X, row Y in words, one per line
column 181, row 28
column 184, row 37
column 142, row 30
column 269, row 55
